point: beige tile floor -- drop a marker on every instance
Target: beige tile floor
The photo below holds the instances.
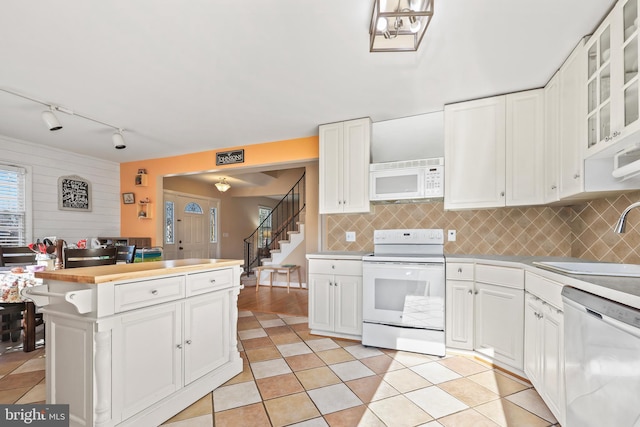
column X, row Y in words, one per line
column 293, row 378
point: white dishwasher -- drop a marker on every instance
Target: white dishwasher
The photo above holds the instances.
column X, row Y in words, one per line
column 602, row 361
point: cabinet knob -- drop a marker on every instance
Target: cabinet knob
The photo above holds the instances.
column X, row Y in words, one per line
column 188, row 341
column 333, row 266
column 616, row 133
column 470, row 292
column 179, row 346
column 502, row 194
column 553, row 187
column 576, row 176
column 476, row 292
column 154, row 292
column 459, row 269
column 212, row 281
column 339, row 202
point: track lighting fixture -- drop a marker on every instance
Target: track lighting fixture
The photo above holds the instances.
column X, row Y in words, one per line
column 52, row 122
column 222, row 185
column 118, row 140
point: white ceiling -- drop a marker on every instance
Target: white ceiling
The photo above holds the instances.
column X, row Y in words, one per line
column 189, row 76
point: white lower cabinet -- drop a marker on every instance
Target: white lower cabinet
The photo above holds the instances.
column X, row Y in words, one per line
column 335, row 297
column 160, row 345
column 194, row 341
column 499, row 323
column 486, row 314
column 459, row 306
column 544, row 343
column 146, row 371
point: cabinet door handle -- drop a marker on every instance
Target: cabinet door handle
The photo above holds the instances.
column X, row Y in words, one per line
column 179, row 346
column 553, row 187
column 459, row 269
column 154, row 292
column 470, row 292
column 576, row 176
column 188, row 342
column 212, row 281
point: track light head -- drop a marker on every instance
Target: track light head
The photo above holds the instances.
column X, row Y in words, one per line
column 118, row 141
column 51, row 120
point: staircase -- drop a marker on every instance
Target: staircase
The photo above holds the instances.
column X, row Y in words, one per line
column 279, row 233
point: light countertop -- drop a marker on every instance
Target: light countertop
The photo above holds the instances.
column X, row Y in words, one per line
column 625, row 290
column 116, row 272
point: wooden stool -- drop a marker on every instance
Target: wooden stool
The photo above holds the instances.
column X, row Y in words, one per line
column 275, row 269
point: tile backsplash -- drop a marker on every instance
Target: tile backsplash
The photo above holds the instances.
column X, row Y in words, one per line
column 583, row 230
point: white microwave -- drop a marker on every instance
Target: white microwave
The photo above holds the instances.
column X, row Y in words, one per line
column 402, row 180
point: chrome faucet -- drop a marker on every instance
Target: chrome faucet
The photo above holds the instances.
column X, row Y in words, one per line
column 622, row 222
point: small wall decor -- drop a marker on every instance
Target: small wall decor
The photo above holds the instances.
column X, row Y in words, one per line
column 128, row 198
column 74, row 193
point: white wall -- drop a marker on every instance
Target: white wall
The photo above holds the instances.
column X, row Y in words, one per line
column 47, row 165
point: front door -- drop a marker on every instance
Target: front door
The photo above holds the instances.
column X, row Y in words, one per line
column 192, row 228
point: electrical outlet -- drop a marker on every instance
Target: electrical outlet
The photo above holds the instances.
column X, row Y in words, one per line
column 351, row 236
column 451, row 235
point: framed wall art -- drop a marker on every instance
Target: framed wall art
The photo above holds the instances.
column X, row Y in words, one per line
column 74, row 194
column 128, row 198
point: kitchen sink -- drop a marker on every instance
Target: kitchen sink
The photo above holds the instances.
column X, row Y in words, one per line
column 592, row 268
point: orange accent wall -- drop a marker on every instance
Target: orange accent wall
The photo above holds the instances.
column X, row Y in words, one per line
column 268, row 153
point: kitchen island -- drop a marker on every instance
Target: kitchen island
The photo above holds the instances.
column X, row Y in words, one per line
column 134, row 344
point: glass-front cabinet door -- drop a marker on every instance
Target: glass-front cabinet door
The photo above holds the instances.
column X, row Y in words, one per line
column 630, row 62
column 599, row 86
column 612, row 79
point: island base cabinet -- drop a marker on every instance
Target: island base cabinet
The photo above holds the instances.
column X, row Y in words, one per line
column 147, row 364
column 69, row 363
column 142, row 366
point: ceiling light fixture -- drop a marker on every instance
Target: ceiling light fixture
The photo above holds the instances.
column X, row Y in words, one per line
column 118, row 140
column 222, row 185
column 50, row 119
column 52, row 122
column 399, row 25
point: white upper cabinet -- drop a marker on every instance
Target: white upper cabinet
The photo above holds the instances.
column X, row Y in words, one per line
column 474, row 152
column 572, row 129
column 612, row 79
column 551, row 139
column 344, row 166
column 494, row 154
column 525, row 148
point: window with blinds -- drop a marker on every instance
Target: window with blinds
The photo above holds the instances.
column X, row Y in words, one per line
column 13, row 216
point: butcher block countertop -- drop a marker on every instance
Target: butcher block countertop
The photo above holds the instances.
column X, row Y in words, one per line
column 118, row 272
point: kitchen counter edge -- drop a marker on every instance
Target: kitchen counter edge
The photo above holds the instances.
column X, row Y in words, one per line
column 118, row 272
